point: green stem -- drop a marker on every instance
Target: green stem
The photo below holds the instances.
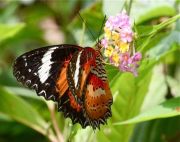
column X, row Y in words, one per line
column 160, row 26
column 54, row 122
column 157, row 28
column 82, row 36
column 129, row 7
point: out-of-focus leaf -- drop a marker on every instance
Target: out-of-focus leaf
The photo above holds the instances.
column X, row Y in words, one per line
column 4, row 117
column 157, row 89
column 145, row 33
column 146, row 41
column 65, row 8
column 23, row 92
column 112, row 72
column 148, row 63
column 165, row 44
column 7, row 14
column 166, row 109
column 93, row 24
column 7, row 31
column 145, row 10
column 16, row 132
column 175, row 85
column 159, row 130
column 17, row 109
column 85, row 135
column 112, row 7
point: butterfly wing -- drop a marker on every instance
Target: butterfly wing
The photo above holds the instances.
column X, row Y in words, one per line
column 97, row 95
column 77, row 71
column 68, row 75
column 89, row 87
column 41, row 68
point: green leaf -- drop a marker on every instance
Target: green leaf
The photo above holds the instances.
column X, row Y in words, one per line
column 19, row 110
column 156, row 12
column 147, row 10
column 92, row 23
column 165, row 44
column 166, row 109
column 85, row 135
column 112, row 8
column 146, row 33
column 157, row 89
column 8, row 31
column 158, row 130
column 174, row 84
column 23, row 92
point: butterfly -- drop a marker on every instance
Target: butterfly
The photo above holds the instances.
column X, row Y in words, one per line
column 72, row 76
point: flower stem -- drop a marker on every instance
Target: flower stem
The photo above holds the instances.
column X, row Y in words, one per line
column 82, row 36
column 54, row 122
column 129, row 7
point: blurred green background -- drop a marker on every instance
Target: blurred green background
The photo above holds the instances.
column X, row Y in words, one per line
column 145, row 109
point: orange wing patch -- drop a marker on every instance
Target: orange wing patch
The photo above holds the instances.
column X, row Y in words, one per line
column 62, row 88
column 62, row 84
column 98, row 99
column 85, row 72
column 73, row 102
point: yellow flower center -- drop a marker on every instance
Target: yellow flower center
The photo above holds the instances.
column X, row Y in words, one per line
column 115, row 36
column 123, row 47
column 108, row 51
column 107, row 33
column 115, row 58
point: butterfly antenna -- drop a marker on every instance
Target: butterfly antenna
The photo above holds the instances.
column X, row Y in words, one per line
column 87, row 27
column 101, row 28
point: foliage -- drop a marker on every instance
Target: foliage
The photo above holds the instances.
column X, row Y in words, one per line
column 145, row 108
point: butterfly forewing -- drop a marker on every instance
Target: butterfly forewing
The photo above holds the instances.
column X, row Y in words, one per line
column 39, row 69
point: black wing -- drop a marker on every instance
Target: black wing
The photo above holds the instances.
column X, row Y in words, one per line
column 39, row 68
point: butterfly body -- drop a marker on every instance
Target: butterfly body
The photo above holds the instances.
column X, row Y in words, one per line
column 73, row 76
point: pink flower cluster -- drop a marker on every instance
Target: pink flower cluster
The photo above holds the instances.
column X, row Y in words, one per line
column 121, row 23
column 117, row 43
column 130, row 63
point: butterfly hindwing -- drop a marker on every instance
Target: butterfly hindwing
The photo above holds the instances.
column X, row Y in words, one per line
column 39, row 69
column 89, row 86
column 97, row 94
column 70, row 107
column 77, row 71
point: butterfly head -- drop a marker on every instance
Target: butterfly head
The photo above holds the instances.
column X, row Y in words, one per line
column 98, row 46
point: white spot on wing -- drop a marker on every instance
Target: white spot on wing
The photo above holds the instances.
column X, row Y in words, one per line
column 76, row 74
column 97, row 92
column 43, row 71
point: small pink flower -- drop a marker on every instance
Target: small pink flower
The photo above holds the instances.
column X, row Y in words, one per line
column 109, row 23
column 104, row 42
column 129, row 64
column 137, row 56
column 116, row 22
column 126, row 34
column 121, row 20
column 124, row 20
